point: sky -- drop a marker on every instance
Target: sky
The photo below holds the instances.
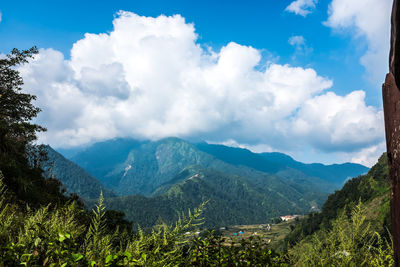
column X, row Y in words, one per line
column 301, row 77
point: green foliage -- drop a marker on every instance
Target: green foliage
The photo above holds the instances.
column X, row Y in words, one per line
column 57, row 238
column 350, row 242
column 19, row 157
column 16, row 109
column 212, row 250
column 372, row 188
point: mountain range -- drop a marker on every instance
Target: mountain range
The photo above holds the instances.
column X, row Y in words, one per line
column 153, row 180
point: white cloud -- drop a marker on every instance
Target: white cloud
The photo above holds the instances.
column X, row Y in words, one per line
column 368, row 156
column 1, row 16
column 369, row 19
column 339, row 123
column 299, row 42
column 149, row 78
column 258, row 148
column 302, row 7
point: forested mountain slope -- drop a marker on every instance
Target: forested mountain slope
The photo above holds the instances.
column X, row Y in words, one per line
column 372, row 189
column 231, row 199
column 74, row 178
column 101, row 158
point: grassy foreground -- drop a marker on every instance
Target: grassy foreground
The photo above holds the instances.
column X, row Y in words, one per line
column 58, row 236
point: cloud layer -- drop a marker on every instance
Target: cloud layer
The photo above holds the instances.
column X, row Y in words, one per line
column 149, row 78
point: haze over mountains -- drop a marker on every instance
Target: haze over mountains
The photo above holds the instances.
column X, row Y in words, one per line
column 160, row 179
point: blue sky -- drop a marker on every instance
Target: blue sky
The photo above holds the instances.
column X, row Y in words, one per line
column 330, row 54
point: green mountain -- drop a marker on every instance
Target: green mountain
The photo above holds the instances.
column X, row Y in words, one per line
column 132, row 167
column 232, row 199
column 139, row 168
column 101, row 158
column 160, row 179
column 74, row 178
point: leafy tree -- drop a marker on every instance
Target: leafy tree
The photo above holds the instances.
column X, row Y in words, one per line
column 16, row 108
column 19, row 158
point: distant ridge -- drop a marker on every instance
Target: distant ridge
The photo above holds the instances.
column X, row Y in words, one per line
column 275, row 162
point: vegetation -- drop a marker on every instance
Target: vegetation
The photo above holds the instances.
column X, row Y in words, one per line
column 20, row 160
column 57, row 237
column 232, row 199
column 350, row 242
column 372, row 189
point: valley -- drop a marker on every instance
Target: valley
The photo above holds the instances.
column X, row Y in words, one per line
column 272, row 234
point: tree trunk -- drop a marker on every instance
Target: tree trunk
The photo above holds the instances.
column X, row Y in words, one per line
column 391, row 107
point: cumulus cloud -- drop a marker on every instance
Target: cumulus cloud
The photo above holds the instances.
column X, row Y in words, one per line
column 339, row 123
column 367, row 156
column 369, row 19
column 149, row 78
column 301, row 7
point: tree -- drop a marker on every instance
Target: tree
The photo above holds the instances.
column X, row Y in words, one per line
column 19, row 156
column 16, row 108
column 391, row 103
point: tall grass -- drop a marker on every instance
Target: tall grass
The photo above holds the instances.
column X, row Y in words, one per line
column 350, row 242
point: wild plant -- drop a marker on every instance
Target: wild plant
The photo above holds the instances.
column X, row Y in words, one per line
column 350, row 242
